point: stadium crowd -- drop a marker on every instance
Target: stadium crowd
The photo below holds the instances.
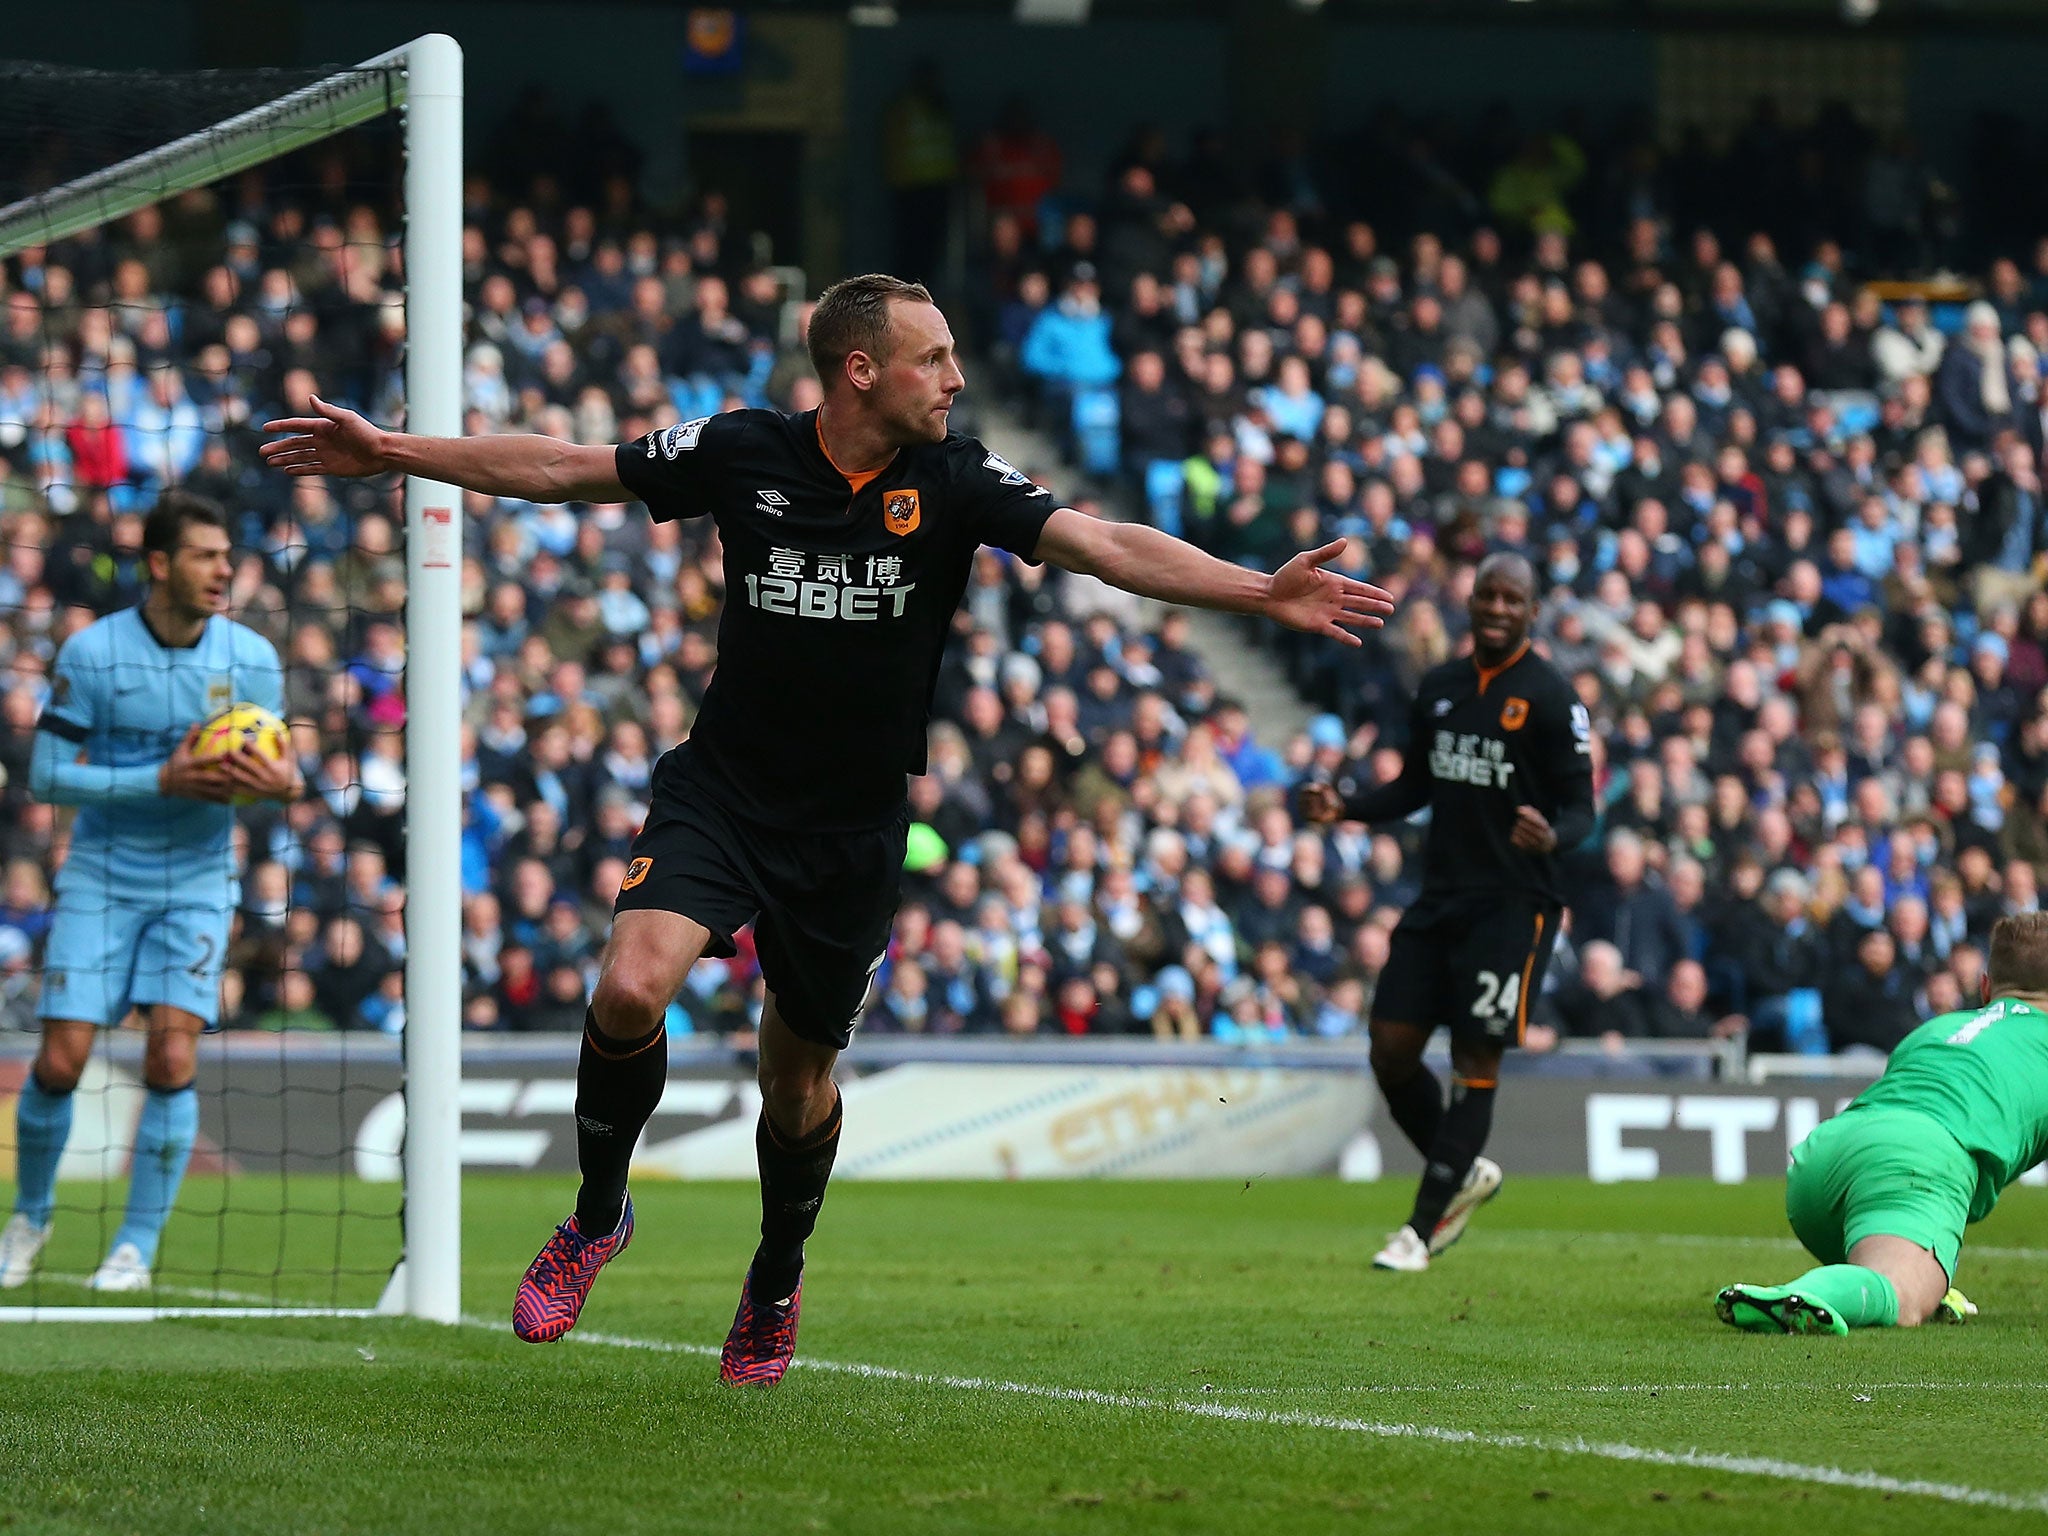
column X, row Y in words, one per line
column 1791, row 538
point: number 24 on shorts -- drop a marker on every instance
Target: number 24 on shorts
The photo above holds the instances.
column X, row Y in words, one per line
column 1496, row 998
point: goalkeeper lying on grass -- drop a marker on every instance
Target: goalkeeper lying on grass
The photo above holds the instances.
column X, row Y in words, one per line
column 1881, row 1193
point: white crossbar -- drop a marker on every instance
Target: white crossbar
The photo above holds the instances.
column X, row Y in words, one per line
column 305, row 116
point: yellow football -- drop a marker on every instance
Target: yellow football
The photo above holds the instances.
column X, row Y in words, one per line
column 238, row 726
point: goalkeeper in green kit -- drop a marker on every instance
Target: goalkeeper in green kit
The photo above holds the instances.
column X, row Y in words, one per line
column 1881, row 1193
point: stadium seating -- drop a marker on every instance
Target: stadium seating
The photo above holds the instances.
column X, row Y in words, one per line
column 1791, row 537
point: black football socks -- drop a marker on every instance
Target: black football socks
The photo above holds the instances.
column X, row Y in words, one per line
column 1459, row 1139
column 794, row 1173
column 618, row 1084
column 1417, row 1104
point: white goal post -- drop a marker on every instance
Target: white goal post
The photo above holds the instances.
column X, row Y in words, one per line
column 423, row 80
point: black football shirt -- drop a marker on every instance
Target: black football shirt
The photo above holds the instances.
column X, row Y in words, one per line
column 1480, row 744
column 839, row 592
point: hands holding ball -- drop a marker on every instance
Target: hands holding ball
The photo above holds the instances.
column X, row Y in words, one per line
column 240, row 756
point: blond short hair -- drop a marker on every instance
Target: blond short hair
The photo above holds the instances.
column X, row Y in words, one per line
column 853, row 316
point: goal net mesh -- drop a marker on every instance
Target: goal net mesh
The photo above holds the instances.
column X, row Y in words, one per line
column 139, row 356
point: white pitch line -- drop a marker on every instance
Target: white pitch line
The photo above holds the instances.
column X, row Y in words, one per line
column 1653, row 1389
column 1605, row 1450
column 1738, row 1240
column 1608, row 1450
column 189, row 1292
column 1657, row 1239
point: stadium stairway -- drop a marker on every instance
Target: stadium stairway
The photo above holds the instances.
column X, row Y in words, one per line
column 1242, row 671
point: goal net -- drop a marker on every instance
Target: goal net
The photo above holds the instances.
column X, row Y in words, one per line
column 183, row 257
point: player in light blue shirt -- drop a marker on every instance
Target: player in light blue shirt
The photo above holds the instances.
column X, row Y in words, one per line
column 147, row 889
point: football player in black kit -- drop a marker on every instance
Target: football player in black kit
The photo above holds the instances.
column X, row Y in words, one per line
column 1499, row 749
column 848, row 536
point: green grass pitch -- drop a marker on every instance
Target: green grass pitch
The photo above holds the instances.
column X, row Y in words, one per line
column 1071, row 1358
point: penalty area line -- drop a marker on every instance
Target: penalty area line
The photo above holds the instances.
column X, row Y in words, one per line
column 1233, row 1413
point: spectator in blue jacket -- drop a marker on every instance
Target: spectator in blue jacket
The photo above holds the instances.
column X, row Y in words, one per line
column 1068, row 348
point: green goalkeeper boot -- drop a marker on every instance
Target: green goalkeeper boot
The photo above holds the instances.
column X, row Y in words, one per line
column 1774, row 1309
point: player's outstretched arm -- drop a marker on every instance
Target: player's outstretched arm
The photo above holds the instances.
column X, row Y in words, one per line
column 336, row 441
column 1403, row 795
column 1301, row 594
column 1400, row 796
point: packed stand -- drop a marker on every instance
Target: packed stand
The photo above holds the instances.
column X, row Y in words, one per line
column 148, row 354
column 1809, row 626
column 1789, row 534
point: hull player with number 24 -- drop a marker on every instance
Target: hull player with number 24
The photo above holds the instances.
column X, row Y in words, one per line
column 1499, row 750
column 849, row 533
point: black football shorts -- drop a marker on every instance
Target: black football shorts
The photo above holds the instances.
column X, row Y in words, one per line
column 1474, row 962
column 822, row 905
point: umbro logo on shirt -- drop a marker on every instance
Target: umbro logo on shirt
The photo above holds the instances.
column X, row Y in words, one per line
column 773, row 503
column 1443, row 706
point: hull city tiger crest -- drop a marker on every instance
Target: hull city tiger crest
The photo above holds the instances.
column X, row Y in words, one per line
column 635, row 873
column 1514, row 714
column 900, row 512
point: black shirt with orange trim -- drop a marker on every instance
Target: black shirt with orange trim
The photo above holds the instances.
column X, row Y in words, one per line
column 839, row 593
column 1480, row 744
